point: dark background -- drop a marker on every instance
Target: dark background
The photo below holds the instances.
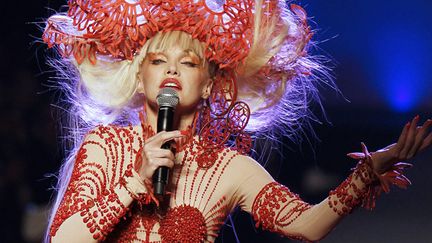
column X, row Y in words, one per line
column 381, row 54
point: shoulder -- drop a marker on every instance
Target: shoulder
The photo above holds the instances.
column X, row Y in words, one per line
column 111, row 141
column 243, row 166
column 112, row 132
column 247, row 178
column 109, row 134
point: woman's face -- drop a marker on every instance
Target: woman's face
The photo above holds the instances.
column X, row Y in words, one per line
column 179, row 69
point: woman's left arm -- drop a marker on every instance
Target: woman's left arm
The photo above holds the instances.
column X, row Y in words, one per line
column 275, row 208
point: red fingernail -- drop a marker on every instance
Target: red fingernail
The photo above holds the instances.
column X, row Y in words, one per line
column 184, row 132
column 417, row 117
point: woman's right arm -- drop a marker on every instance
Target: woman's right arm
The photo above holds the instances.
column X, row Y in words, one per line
column 96, row 196
column 109, row 173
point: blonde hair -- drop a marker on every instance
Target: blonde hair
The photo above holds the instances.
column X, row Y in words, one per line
column 279, row 79
column 108, row 87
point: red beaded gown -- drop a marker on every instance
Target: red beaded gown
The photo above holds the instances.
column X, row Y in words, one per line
column 106, row 200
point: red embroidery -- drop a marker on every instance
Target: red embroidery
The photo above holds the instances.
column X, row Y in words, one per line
column 91, row 188
column 223, row 120
column 243, row 143
column 141, row 198
column 275, row 207
column 141, row 221
column 183, row 224
column 238, row 117
column 347, row 195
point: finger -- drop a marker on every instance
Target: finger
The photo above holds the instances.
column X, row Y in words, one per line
column 401, row 141
column 154, row 154
column 410, row 138
column 166, row 162
column 421, row 133
column 161, row 153
column 356, row 155
column 182, row 140
column 158, row 162
column 387, row 147
column 364, row 148
column 416, row 143
column 158, row 136
column 163, row 137
column 426, row 142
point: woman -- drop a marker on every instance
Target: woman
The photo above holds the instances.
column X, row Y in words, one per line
column 221, row 59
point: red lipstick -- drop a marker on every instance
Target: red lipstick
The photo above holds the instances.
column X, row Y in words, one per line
column 172, row 83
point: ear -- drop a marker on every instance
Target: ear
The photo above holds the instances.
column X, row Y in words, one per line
column 206, row 91
column 140, row 87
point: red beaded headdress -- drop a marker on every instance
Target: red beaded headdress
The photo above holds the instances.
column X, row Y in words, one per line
column 119, row 28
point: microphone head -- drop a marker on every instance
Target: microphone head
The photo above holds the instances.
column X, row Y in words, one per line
column 167, row 97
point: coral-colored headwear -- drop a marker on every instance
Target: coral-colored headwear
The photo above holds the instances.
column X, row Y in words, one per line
column 119, row 28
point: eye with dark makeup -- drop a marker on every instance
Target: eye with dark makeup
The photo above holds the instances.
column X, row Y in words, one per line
column 156, row 61
column 190, row 64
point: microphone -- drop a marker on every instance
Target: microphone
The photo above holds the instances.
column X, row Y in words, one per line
column 167, row 100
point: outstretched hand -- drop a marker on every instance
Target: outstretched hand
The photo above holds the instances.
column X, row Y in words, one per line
column 413, row 139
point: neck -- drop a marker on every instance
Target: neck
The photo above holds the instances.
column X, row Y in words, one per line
column 182, row 120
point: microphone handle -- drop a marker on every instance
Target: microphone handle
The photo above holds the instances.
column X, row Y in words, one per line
column 164, row 123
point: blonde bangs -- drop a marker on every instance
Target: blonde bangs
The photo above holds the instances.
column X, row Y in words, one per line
column 162, row 42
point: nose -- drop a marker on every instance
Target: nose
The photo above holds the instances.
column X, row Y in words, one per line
column 172, row 70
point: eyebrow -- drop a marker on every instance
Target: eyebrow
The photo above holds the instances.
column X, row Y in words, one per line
column 188, row 52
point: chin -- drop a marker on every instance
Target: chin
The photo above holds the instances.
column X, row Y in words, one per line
column 187, row 108
column 152, row 104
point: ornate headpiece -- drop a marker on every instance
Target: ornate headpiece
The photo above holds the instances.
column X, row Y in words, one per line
column 120, row 28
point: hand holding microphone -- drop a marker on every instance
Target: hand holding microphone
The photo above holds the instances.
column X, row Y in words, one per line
column 157, row 156
column 167, row 100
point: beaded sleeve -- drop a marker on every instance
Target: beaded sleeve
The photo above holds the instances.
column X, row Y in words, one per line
column 275, row 208
column 364, row 185
column 102, row 186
